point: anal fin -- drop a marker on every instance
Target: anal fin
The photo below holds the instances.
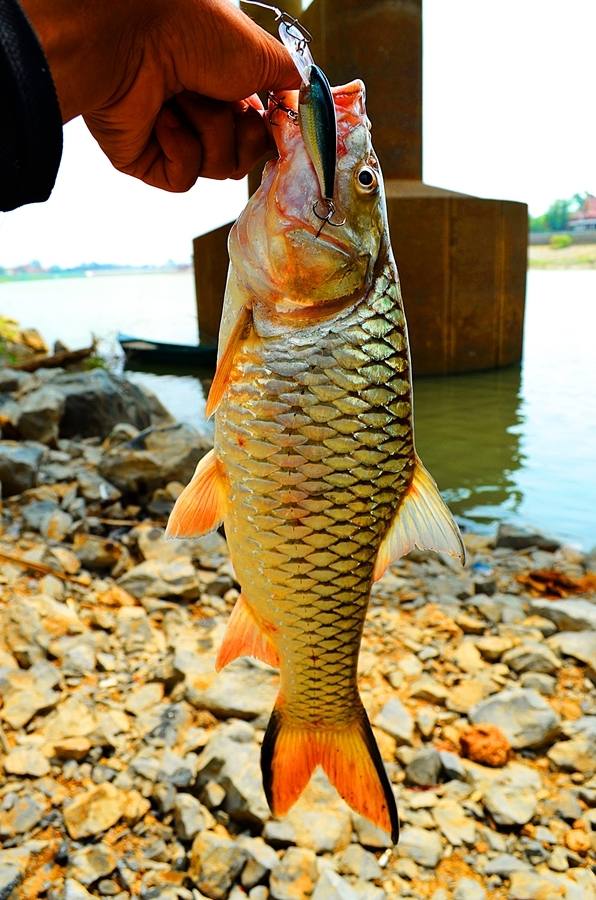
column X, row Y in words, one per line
column 245, row 637
column 201, row 507
column 422, row 521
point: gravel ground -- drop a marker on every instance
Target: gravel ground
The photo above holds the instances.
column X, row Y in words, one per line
column 132, row 770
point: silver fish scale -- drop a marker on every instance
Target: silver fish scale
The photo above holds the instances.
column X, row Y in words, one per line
column 316, row 439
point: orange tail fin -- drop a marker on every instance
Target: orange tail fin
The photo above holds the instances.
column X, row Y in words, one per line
column 348, row 754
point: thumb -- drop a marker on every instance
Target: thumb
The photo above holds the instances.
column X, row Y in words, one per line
column 243, row 58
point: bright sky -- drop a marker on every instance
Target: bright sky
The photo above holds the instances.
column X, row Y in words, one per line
column 508, row 112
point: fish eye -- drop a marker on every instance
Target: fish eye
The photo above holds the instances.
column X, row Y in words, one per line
column 367, row 179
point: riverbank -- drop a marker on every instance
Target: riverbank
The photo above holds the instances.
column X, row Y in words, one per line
column 131, row 769
column 576, row 256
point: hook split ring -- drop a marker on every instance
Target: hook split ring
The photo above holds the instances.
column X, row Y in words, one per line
column 327, row 219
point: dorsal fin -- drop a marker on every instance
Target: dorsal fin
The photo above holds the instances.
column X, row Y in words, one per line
column 226, row 360
column 422, row 521
column 201, row 507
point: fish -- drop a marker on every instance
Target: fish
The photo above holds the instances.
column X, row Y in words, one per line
column 314, row 471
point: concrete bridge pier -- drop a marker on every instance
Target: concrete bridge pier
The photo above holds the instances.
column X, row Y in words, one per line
column 462, row 259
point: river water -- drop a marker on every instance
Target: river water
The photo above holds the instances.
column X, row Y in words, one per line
column 515, row 445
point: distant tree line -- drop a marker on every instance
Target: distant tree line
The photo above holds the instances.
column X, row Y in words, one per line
column 556, row 218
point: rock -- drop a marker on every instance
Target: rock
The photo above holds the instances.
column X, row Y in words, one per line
column 215, row 863
column 395, row 719
column 74, row 890
column 95, row 810
column 10, row 878
column 518, row 539
column 26, row 761
column 355, row 860
column 580, row 645
column 578, row 755
column 426, row 720
column 485, row 744
column 155, row 458
column 235, row 765
column 93, row 487
column 531, row 657
column 424, row 768
column 25, row 694
column 72, row 748
column 144, row 697
column 320, row 820
column 332, row 886
column 190, row 817
column 261, row 859
column 293, row 878
column 19, row 466
column 453, row 823
column 429, row 689
column 504, row 864
column 492, row 647
column 568, row 615
column 420, row 845
column 98, row 554
column 558, row 861
column 56, row 525
column 79, row 658
column 13, row 380
column 21, row 817
column 512, row 798
column 96, row 401
column 468, row 889
column 39, row 415
column 243, row 690
column 537, row 681
column 577, row 840
column 88, row 864
column 467, row 657
column 154, row 578
column 540, row 886
column 370, row 835
column 565, row 804
column 452, row 766
column 522, row 715
column 466, row 695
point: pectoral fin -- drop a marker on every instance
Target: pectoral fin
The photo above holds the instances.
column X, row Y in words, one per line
column 226, row 360
column 422, row 521
column 201, row 507
column 245, row 637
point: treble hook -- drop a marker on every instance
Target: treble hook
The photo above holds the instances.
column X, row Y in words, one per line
column 326, row 219
column 291, row 113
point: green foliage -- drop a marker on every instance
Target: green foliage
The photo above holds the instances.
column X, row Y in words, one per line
column 557, row 215
column 556, row 218
column 559, row 241
column 9, row 329
column 538, row 223
column 94, row 362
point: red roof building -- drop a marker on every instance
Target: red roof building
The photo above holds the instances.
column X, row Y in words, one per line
column 585, row 218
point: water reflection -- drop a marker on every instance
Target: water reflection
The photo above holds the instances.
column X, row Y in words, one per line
column 468, row 430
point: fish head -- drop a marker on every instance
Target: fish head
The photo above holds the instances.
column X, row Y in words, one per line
column 291, row 260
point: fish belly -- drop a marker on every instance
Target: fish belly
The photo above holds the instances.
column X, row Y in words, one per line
column 315, row 435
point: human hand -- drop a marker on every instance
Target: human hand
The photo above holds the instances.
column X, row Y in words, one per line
column 166, row 87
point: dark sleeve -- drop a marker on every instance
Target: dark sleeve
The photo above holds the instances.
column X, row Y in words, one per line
column 30, row 119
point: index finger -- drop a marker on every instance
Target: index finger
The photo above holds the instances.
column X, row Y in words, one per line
column 237, row 57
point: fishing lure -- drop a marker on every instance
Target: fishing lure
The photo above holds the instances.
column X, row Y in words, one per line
column 316, row 112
